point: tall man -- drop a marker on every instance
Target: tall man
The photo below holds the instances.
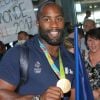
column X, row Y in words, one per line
column 51, row 67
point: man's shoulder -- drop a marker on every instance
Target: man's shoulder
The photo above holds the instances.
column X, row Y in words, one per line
column 14, row 49
column 12, row 53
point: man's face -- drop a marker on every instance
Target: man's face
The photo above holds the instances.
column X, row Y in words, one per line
column 51, row 24
column 22, row 36
column 88, row 26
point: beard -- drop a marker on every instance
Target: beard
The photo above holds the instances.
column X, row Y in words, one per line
column 45, row 35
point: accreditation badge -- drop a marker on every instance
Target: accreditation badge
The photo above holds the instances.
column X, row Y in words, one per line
column 64, row 84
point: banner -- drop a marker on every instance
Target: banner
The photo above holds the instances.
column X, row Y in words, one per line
column 15, row 16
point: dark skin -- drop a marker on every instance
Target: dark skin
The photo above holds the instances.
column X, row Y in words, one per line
column 50, row 18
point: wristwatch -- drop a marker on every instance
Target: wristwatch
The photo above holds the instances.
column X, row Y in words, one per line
column 37, row 97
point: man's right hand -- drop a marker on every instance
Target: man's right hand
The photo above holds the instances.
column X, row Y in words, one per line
column 52, row 93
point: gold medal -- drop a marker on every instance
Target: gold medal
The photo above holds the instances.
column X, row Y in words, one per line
column 64, row 84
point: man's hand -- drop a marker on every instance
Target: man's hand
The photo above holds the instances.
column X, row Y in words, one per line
column 52, row 93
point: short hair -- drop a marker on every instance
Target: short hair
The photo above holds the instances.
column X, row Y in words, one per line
column 68, row 42
column 22, row 32
column 45, row 3
column 88, row 12
column 93, row 33
column 89, row 20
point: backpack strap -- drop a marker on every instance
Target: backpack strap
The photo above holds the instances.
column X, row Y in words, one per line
column 24, row 55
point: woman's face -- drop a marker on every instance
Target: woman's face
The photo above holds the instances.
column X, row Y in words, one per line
column 93, row 44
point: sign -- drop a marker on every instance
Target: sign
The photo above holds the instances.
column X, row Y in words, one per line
column 15, row 16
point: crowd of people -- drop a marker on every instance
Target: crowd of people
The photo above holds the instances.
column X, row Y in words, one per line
column 89, row 43
column 51, row 64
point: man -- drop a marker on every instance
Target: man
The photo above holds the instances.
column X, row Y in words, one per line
column 45, row 50
column 22, row 37
column 89, row 24
column 88, row 14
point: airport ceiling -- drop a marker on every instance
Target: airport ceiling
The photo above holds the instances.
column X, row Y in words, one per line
column 88, row 1
column 89, row 4
column 85, row 4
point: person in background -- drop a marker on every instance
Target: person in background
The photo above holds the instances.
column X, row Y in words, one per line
column 22, row 37
column 80, row 34
column 47, row 55
column 68, row 27
column 69, row 40
column 69, row 44
column 2, row 49
column 93, row 60
column 88, row 14
column 87, row 25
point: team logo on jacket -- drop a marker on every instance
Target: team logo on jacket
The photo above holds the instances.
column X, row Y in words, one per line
column 68, row 71
column 37, row 68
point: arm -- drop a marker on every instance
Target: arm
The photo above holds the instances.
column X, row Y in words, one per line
column 7, row 92
column 52, row 93
column 96, row 94
column 72, row 97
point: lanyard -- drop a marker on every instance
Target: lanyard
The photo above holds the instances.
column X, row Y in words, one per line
column 61, row 73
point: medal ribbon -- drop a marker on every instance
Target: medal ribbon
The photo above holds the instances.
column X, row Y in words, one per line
column 61, row 73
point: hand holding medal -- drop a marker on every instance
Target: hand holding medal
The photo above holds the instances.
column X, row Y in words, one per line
column 63, row 83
